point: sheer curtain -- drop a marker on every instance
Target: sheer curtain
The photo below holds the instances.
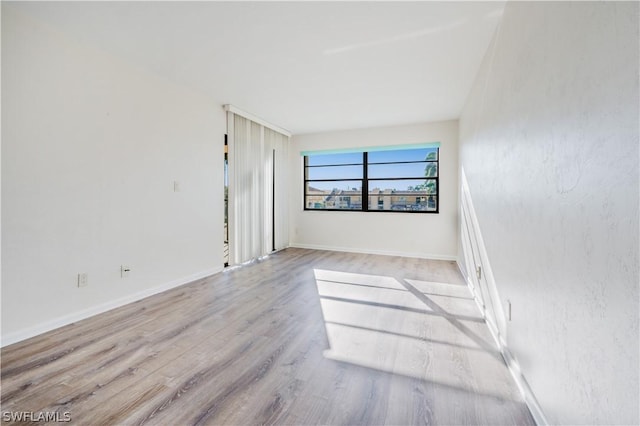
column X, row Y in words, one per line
column 258, row 189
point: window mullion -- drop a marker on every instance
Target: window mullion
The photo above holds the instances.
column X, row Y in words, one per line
column 365, row 182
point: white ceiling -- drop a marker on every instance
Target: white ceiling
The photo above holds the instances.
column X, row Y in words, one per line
column 304, row 66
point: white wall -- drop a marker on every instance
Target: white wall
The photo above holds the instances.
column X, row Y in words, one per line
column 419, row 235
column 549, row 144
column 90, row 149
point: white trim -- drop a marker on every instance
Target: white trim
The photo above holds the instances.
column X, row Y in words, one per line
column 496, row 309
column 525, row 389
column 44, row 327
column 510, row 360
column 380, row 252
column 472, row 289
column 248, row 116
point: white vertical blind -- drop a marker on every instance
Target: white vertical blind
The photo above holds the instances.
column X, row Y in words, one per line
column 257, row 155
column 279, row 145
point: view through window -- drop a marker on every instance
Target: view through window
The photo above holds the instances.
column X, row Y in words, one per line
column 390, row 180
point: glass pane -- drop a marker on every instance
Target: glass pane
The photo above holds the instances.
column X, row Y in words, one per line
column 317, row 187
column 403, row 170
column 420, row 154
column 342, row 195
column 334, row 203
column 403, row 202
column 431, row 170
column 333, row 159
column 334, row 172
column 410, row 186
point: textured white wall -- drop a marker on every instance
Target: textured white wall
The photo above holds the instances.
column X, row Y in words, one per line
column 549, row 144
column 419, row 235
column 90, row 149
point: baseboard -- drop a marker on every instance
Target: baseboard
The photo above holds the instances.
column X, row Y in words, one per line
column 509, row 359
column 380, row 252
column 33, row 331
column 523, row 385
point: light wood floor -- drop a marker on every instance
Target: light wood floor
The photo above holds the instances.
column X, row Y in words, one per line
column 303, row 337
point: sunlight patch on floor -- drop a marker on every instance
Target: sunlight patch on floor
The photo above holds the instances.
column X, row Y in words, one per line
column 377, row 322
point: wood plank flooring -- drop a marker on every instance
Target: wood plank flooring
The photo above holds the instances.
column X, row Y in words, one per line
column 303, row 337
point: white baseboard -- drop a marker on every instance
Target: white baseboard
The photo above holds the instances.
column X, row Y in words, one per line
column 380, row 252
column 510, row 360
column 58, row 322
column 525, row 389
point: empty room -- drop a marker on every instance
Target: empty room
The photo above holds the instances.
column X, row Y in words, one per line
column 320, row 213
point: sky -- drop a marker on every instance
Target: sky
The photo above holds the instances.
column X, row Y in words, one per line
column 346, row 170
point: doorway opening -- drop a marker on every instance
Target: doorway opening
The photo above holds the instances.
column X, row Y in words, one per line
column 226, row 203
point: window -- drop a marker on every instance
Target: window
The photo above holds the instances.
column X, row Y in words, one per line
column 388, row 180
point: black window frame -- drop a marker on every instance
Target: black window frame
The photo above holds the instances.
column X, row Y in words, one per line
column 365, row 183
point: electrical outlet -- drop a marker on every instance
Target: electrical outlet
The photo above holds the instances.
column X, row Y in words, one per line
column 176, row 186
column 83, row 279
column 124, row 271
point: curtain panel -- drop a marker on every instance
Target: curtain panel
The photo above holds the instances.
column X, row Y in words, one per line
column 258, row 189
